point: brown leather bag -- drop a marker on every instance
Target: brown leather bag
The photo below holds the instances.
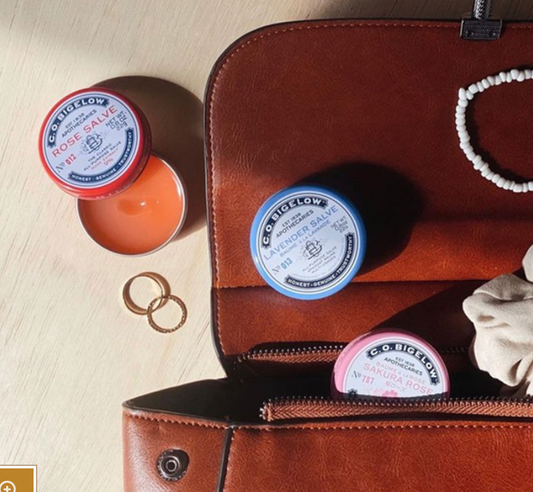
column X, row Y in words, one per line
column 368, row 108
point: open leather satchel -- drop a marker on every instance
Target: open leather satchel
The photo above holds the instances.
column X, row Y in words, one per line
column 368, row 108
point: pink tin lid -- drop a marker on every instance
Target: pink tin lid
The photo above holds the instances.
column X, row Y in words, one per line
column 390, row 363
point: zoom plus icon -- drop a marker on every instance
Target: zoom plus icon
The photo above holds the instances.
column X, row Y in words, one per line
column 16, row 478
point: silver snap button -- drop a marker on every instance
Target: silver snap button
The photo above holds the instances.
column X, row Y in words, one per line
column 172, row 464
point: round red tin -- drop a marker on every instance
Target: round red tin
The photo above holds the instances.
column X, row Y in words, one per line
column 94, row 143
column 390, row 364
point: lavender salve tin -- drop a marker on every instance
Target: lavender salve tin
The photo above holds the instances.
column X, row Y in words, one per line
column 308, row 242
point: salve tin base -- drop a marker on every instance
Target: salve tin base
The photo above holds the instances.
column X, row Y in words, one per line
column 390, row 364
column 308, row 242
column 142, row 219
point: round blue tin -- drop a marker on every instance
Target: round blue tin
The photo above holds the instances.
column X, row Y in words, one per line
column 308, row 242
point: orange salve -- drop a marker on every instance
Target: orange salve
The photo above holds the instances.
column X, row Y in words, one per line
column 142, row 218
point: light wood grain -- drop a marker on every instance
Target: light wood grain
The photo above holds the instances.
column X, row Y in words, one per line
column 69, row 351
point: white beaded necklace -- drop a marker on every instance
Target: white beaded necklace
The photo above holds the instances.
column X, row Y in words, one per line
column 465, row 96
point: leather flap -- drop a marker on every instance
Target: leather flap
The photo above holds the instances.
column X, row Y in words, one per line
column 369, row 108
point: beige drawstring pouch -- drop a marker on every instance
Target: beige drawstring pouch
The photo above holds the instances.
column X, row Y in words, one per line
column 502, row 313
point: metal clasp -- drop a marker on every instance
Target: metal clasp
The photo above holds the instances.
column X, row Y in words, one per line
column 480, row 26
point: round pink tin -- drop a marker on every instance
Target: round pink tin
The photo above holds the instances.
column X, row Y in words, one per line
column 390, row 363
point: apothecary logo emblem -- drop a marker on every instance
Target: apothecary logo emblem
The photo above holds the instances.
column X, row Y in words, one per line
column 312, row 248
column 92, row 143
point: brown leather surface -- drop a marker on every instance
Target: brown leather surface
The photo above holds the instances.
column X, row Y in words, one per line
column 369, row 107
column 436, row 456
column 400, row 455
column 379, row 99
column 275, row 321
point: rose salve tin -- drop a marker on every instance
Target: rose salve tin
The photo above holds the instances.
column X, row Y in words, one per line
column 96, row 145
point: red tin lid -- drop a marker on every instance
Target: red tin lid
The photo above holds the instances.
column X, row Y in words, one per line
column 94, row 143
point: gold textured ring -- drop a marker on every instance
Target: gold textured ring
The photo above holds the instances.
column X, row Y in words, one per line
column 164, row 289
column 152, row 307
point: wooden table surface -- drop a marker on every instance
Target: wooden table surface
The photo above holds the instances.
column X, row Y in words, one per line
column 70, row 353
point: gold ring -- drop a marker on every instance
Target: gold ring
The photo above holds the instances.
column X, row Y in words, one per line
column 164, row 288
column 161, row 300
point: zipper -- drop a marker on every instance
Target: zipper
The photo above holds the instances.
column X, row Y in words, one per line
column 319, row 354
column 288, row 408
column 311, row 353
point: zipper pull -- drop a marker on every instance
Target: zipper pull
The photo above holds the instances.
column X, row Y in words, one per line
column 480, row 26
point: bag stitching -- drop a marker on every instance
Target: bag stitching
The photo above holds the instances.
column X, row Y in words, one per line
column 181, row 422
column 352, row 427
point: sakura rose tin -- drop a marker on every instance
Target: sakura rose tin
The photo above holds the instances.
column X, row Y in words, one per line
column 390, row 363
column 308, row 242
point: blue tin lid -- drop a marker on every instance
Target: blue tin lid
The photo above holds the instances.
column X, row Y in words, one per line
column 308, row 242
